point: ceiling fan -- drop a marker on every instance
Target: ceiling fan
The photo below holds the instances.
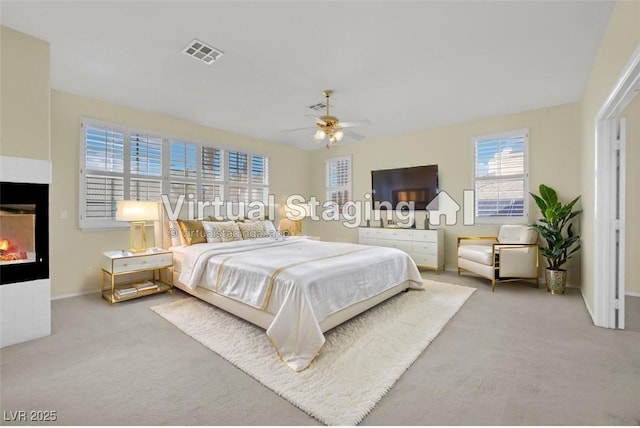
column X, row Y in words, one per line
column 330, row 128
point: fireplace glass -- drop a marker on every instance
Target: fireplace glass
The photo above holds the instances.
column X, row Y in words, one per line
column 24, row 236
column 17, row 233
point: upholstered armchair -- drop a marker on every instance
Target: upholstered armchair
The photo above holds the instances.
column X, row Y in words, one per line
column 511, row 256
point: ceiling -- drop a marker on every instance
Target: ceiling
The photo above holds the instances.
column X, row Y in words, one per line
column 405, row 66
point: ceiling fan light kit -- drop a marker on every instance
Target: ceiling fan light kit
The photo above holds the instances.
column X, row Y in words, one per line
column 330, row 128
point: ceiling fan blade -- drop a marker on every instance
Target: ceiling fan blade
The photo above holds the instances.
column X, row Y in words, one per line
column 306, row 128
column 317, row 119
column 352, row 123
column 353, row 135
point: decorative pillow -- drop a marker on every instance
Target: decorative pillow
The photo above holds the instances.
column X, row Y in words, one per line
column 269, row 228
column 175, row 233
column 252, row 229
column 210, row 231
column 192, row 232
column 228, row 231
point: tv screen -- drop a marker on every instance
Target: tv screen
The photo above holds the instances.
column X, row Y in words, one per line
column 418, row 184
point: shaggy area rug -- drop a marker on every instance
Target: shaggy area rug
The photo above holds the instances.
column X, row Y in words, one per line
column 359, row 363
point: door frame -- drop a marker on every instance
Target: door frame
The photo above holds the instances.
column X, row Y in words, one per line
column 607, row 312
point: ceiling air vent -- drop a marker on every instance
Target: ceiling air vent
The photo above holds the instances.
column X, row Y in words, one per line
column 202, row 52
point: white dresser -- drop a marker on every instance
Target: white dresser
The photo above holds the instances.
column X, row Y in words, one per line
column 426, row 247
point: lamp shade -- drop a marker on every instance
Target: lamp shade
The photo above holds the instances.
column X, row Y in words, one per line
column 297, row 211
column 137, row 211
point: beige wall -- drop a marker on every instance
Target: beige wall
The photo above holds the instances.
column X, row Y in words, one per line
column 24, row 96
column 553, row 160
column 632, row 226
column 75, row 257
column 621, row 38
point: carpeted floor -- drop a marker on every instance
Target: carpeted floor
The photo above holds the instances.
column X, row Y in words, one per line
column 519, row 356
column 358, row 364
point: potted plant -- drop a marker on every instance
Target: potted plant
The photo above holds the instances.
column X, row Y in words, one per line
column 555, row 227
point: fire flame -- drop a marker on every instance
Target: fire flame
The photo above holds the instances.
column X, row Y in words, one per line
column 8, row 252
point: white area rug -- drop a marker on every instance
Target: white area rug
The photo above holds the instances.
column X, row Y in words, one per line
column 359, row 363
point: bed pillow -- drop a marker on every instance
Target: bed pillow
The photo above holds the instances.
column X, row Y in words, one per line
column 228, row 231
column 269, row 228
column 192, row 232
column 176, row 234
column 252, row 230
column 210, row 231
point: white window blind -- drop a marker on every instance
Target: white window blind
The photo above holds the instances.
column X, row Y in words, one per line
column 259, row 178
column 183, row 160
column 501, row 177
column 145, row 167
column 117, row 163
column 102, row 173
column 338, row 180
column 212, row 173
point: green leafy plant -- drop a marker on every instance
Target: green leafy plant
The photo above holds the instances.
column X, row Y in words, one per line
column 556, row 228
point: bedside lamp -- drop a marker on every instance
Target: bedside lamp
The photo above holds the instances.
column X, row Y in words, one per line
column 137, row 213
column 291, row 223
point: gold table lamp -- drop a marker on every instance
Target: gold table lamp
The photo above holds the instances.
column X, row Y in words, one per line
column 291, row 223
column 137, row 213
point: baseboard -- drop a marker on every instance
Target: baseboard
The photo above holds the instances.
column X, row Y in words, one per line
column 586, row 304
column 632, row 293
column 66, row 296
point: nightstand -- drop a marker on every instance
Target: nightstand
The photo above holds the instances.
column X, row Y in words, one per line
column 122, row 263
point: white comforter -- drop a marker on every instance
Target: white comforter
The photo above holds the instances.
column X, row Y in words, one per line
column 298, row 280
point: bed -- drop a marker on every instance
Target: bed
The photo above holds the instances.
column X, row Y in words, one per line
column 295, row 288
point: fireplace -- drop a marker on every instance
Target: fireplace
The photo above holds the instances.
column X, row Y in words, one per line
column 24, row 232
column 25, row 286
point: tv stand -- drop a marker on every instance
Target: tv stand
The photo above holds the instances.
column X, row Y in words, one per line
column 425, row 247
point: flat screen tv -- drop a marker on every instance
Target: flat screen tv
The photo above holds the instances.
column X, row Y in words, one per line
column 417, row 184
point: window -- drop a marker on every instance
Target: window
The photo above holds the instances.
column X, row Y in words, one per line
column 145, row 167
column 501, row 177
column 183, row 174
column 117, row 163
column 338, row 180
column 102, row 173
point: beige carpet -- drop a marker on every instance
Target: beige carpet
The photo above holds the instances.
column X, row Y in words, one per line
column 359, row 363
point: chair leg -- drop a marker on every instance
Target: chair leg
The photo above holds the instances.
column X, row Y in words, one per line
column 458, row 271
column 493, row 285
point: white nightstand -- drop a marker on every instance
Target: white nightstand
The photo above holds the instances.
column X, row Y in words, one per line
column 119, row 263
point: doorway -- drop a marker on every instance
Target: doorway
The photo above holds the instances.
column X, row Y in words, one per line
column 611, row 199
column 631, row 113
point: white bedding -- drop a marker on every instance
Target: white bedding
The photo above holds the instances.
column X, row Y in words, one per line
column 178, row 255
column 298, row 280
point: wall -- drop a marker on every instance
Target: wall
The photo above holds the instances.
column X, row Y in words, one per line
column 621, row 38
column 24, row 96
column 553, row 147
column 632, row 226
column 75, row 253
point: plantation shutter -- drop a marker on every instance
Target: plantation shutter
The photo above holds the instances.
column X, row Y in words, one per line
column 238, row 177
column 117, row 163
column 212, row 173
column 102, row 173
column 259, row 178
column 145, row 167
column 183, row 161
column 338, row 180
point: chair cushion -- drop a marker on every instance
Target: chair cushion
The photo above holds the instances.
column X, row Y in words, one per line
column 515, row 234
column 477, row 253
